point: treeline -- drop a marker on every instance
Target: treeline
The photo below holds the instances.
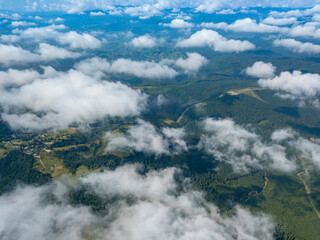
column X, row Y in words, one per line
column 71, row 140
column 17, row 167
column 80, row 156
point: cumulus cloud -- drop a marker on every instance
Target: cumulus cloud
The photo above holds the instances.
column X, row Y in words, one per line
column 280, row 21
column 143, row 12
column 214, row 40
column 159, row 211
column 47, row 32
column 143, row 69
column 297, row 12
column 97, row 14
column 297, row 46
column 144, row 137
column 56, row 100
column 11, row 54
column 316, row 17
column 210, row 6
column 242, row 149
column 309, row 29
column 192, row 63
column 306, row 148
column 59, row 19
column 145, row 41
column 21, row 24
column 147, row 7
column 282, row 134
column 49, row 52
column 82, row 41
column 295, row 85
column 178, row 23
column 245, row 25
column 73, row 39
column 261, row 70
column 226, row 12
column 10, row 38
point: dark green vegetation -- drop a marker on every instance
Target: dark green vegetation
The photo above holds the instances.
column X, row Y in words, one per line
column 17, row 167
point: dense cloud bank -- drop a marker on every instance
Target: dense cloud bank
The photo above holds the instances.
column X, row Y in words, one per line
column 55, row 100
column 157, row 211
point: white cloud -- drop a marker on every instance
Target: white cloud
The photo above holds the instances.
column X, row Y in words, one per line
column 280, row 21
column 82, row 41
column 73, row 39
column 303, row 147
column 213, row 39
column 144, row 11
column 192, row 63
column 282, row 134
column 144, row 137
column 21, row 24
column 210, row 6
column 297, row 46
column 56, row 100
column 297, row 12
column 9, row 38
column 97, row 66
column 161, row 100
column 11, row 54
column 145, row 41
column 178, row 23
column 261, row 70
column 144, row 6
column 13, row 77
column 48, row 32
column 143, row 69
column 49, row 52
column 97, row 14
column 159, row 211
column 59, row 19
column 226, row 12
column 316, row 17
column 295, row 85
column 242, row 149
column 309, row 149
column 309, row 29
column 245, row 25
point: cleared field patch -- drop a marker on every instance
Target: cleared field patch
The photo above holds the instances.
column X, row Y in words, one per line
column 46, row 163
column 246, row 91
column 168, row 121
column 71, row 146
